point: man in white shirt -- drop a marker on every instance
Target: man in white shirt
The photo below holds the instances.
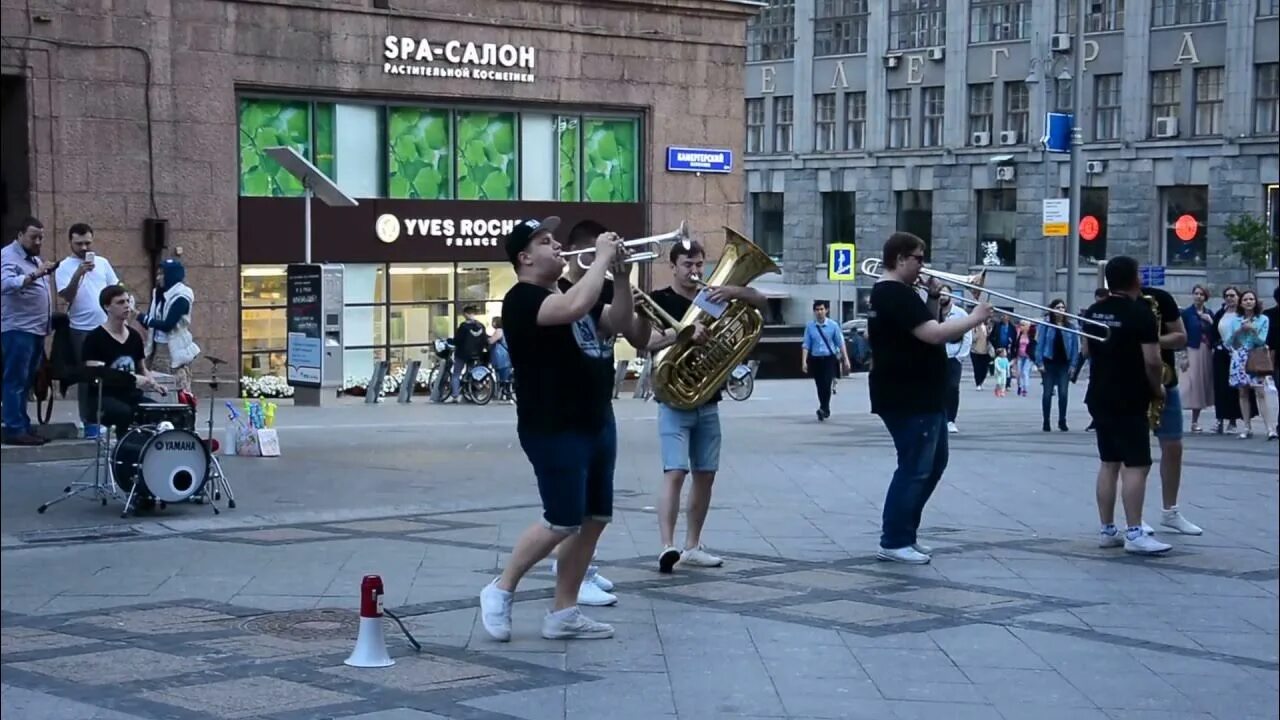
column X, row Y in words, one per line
column 80, row 279
column 949, row 309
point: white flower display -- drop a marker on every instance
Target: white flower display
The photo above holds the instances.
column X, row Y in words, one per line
column 265, row 386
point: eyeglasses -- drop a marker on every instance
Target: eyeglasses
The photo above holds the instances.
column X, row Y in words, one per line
column 918, row 258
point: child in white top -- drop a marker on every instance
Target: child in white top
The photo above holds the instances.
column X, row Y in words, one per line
column 1001, row 371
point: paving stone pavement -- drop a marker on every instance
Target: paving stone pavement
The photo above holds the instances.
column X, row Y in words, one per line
column 1020, row 616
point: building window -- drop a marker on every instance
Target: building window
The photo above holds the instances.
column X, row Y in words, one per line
column 1166, row 96
column 771, row 32
column 1186, row 217
column 425, row 174
column 486, row 158
column 855, row 120
column 1187, row 12
column 997, row 227
column 782, row 115
column 840, row 27
column 917, row 24
column 931, row 105
column 263, row 329
column 1106, row 107
column 306, row 127
column 998, row 20
column 1104, row 16
column 1266, row 99
column 900, row 118
column 980, row 102
column 767, row 218
column 1062, row 95
column 824, row 122
column 598, row 161
column 1017, row 107
column 1268, row 8
column 755, row 125
column 1092, row 244
column 1208, row 101
column 915, row 215
column 837, row 220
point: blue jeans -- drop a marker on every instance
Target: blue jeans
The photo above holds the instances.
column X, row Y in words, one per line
column 1056, row 378
column 921, row 442
column 1024, row 374
column 690, row 439
column 455, row 386
column 22, row 356
column 574, row 469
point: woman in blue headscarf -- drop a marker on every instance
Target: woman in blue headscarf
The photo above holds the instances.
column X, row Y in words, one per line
column 173, row 348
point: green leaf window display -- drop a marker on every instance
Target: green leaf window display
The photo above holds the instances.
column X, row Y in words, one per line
column 325, row 140
column 567, row 178
column 419, row 154
column 487, row 166
column 270, row 123
column 609, row 160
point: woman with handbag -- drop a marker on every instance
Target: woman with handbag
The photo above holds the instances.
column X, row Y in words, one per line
column 173, row 348
column 1226, row 401
column 1246, row 333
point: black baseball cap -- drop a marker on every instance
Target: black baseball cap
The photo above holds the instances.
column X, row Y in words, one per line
column 523, row 233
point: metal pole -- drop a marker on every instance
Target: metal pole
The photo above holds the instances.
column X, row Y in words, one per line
column 1046, row 265
column 1077, row 155
column 840, row 304
column 307, row 225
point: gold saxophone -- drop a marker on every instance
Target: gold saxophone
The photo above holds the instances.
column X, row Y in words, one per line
column 687, row 374
column 1156, row 409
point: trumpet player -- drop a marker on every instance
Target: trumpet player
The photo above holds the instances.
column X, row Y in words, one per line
column 561, row 346
column 690, row 439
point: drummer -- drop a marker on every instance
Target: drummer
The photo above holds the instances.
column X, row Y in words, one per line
column 116, row 346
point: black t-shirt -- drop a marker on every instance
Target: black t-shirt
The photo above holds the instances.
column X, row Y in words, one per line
column 676, row 305
column 125, row 356
column 1169, row 312
column 470, row 339
column 564, row 373
column 1118, row 375
column 1059, row 352
column 908, row 376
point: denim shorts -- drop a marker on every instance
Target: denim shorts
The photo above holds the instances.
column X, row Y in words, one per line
column 575, row 474
column 690, row 438
column 1170, row 427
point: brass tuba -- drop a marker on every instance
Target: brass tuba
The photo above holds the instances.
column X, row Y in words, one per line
column 1156, row 409
column 687, row 374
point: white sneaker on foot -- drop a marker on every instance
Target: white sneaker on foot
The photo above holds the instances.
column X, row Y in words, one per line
column 667, row 559
column 570, row 624
column 1140, row 543
column 590, row 594
column 907, row 555
column 1147, row 529
column 1110, row 538
column 495, row 611
column 699, row 557
column 951, row 428
column 594, row 577
column 1173, row 519
column 922, row 549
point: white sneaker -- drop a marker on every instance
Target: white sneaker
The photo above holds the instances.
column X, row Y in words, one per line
column 595, row 578
column 1113, row 539
column 1142, row 544
column 907, row 555
column 1147, row 529
column 1173, row 519
column 699, row 557
column 951, row 428
column 570, row 624
column 590, row 594
column 922, row 549
column 667, row 559
column 495, row 611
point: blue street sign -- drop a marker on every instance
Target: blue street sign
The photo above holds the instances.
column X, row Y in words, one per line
column 699, row 160
column 1152, row 275
column 1057, row 132
column 840, row 260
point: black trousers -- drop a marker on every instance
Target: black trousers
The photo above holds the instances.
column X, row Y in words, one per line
column 823, row 370
column 981, row 364
column 954, row 371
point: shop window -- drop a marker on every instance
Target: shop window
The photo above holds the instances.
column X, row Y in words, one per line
column 357, row 141
column 537, row 157
column 997, row 227
column 1186, row 218
column 419, row 153
column 486, row 156
column 262, row 320
column 1092, row 229
column 363, row 317
column 422, row 293
column 567, row 132
column 1103, row 16
column 767, row 216
column 915, row 215
column 598, row 159
column 304, row 126
column 838, row 220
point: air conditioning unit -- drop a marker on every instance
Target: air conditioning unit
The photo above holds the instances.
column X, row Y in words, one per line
column 891, row 61
column 936, row 54
column 1095, row 167
column 1005, row 173
column 1060, row 42
column 1166, row 127
column 1008, row 137
column 981, row 138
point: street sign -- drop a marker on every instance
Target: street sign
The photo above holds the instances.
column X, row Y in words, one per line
column 840, row 262
column 699, row 160
column 1152, row 275
column 1057, row 132
column 1056, row 217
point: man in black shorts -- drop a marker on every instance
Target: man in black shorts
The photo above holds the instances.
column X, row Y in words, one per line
column 561, row 351
column 1124, row 377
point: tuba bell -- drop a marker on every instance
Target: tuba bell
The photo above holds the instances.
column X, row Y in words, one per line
column 687, row 374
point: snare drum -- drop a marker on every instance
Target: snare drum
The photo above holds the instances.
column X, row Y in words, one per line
column 169, row 464
column 182, row 416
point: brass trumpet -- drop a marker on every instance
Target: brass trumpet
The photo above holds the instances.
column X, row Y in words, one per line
column 680, row 234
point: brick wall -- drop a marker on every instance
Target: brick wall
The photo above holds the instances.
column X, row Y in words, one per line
column 679, row 61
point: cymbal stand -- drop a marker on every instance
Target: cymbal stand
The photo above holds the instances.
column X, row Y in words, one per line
column 217, row 478
column 103, row 486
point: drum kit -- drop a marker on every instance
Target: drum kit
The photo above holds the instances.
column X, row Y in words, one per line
column 160, row 459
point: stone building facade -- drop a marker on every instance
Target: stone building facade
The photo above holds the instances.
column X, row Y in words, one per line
column 863, row 117
column 136, row 109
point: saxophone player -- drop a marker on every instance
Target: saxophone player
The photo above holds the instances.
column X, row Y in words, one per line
column 1126, row 377
column 690, row 439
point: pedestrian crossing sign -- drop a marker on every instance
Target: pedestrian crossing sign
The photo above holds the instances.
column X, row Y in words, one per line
column 840, row 262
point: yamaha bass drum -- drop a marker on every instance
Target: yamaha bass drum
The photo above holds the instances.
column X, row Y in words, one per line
column 169, row 463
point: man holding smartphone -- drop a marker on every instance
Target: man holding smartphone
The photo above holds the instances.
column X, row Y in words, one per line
column 80, row 279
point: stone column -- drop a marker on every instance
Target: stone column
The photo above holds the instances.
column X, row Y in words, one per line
column 802, row 235
column 1237, row 112
column 877, row 46
column 802, row 79
column 1233, row 190
column 1136, row 82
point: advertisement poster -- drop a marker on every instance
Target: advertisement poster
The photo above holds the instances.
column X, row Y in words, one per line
column 305, row 346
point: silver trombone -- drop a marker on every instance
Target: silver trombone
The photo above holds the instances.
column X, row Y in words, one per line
column 680, row 234
column 974, row 284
